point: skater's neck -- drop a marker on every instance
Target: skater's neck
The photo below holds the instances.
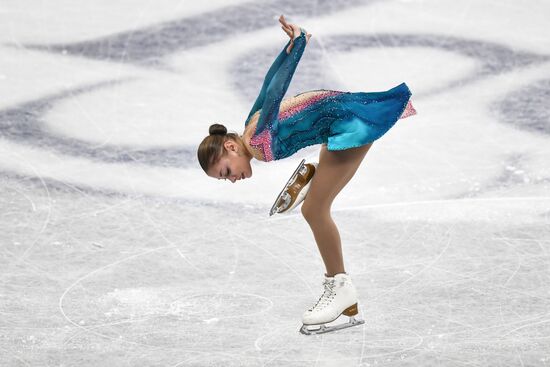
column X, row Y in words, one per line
column 250, row 151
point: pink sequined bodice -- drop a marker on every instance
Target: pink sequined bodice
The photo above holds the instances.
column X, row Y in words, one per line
column 289, row 108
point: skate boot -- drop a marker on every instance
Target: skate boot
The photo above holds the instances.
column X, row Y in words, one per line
column 339, row 297
column 295, row 190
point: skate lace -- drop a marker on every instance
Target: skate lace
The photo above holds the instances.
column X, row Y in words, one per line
column 327, row 295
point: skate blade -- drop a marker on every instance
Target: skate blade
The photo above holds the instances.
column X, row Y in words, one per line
column 322, row 329
column 297, row 201
column 275, row 208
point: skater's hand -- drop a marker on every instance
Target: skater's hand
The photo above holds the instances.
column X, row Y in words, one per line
column 293, row 31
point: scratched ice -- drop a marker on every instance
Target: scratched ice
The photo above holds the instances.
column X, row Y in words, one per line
column 115, row 248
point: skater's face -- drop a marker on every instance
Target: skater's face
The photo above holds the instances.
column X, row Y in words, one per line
column 234, row 165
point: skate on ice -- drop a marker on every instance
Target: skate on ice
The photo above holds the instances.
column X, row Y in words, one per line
column 295, row 190
column 339, row 298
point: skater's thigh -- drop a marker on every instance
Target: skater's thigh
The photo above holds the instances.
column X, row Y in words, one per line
column 335, row 170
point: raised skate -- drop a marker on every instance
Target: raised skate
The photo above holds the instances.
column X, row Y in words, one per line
column 295, row 190
column 339, row 298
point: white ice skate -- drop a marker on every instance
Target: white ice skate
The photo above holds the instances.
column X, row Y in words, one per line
column 295, row 190
column 339, row 298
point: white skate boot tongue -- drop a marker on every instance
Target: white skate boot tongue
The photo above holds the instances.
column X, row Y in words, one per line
column 341, row 279
column 328, row 285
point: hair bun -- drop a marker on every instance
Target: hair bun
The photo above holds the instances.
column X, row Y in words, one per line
column 217, row 129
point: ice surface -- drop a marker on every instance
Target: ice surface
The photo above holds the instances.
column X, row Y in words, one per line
column 116, row 249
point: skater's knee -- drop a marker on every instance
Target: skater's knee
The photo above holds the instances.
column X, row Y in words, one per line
column 313, row 212
column 308, row 212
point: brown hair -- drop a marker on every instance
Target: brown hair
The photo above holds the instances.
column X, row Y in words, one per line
column 211, row 148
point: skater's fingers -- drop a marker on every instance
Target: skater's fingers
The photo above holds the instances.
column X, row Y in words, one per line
column 293, row 28
column 285, row 26
column 287, row 31
column 295, row 31
column 289, row 48
column 283, row 20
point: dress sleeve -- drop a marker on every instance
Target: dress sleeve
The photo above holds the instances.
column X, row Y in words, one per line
column 271, row 72
column 276, row 84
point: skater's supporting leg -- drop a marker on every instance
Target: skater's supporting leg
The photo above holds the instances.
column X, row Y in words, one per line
column 335, row 170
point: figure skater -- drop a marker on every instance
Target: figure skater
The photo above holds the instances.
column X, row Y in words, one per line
column 345, row 124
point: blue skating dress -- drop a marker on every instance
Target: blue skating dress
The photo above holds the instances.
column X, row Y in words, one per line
column 341, row 120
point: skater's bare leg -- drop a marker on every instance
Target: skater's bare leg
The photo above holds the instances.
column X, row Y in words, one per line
column 335, row 170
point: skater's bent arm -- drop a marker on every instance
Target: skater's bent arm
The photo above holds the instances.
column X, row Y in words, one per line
column 271, row 72
column 293, row 31
column 279, row 83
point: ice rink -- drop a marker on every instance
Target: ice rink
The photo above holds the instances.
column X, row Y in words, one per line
column 117, row 250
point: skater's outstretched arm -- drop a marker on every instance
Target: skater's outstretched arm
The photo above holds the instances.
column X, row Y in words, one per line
column 279, row 83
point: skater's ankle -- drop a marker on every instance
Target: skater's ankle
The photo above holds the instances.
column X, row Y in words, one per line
column 331, row 275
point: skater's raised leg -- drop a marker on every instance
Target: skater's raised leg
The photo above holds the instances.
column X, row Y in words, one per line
column 334, row 171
